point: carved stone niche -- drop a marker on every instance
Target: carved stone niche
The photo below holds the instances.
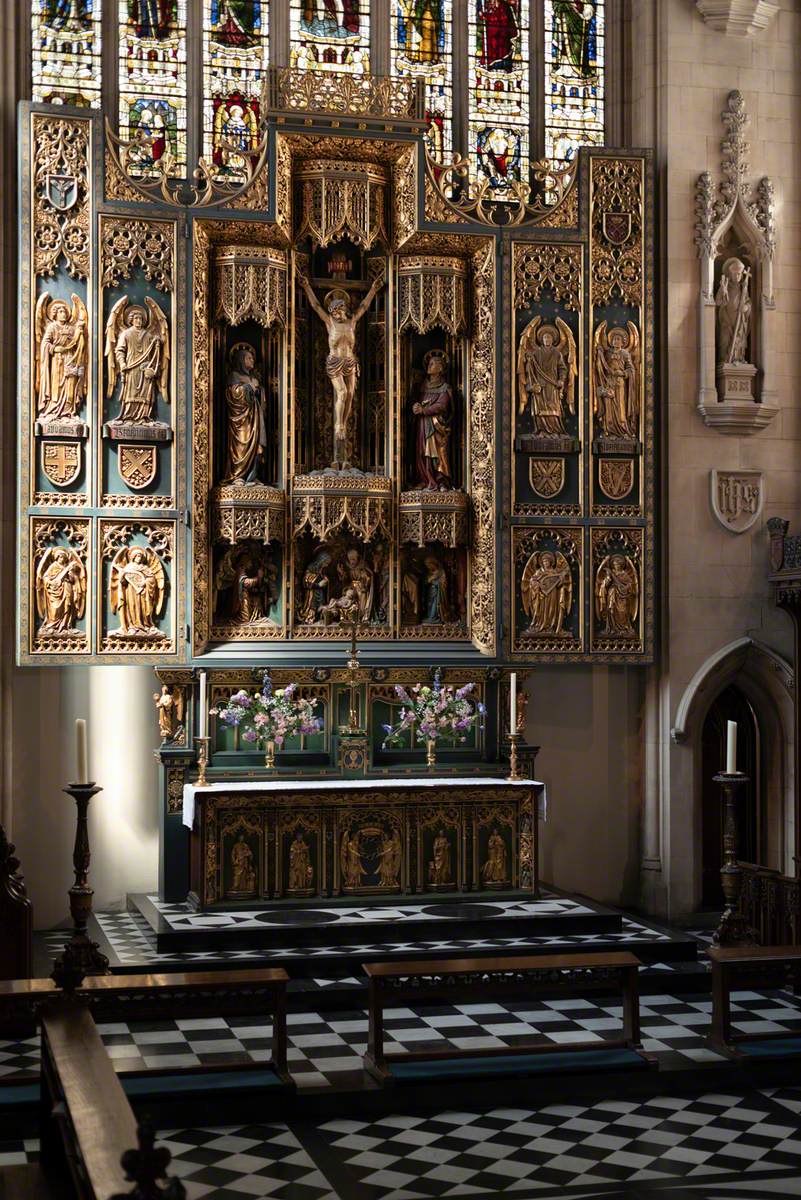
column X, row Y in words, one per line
column 434, row 517
column 254, row 513
column 737, row 18
column 338, row 199
column 325, row 503
column 735, row 241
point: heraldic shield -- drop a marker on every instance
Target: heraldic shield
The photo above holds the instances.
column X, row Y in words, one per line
column 547, row 476
column 617, row 227
column 616, row 477
column 61, row 462
column 138, row 465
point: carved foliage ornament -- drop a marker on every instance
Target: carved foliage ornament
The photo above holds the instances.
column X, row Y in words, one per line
column 482, row 449
column 288, row 90
column 404, row 196
column 616, row 230
column 126, row 244
column 432, row 293
column 452, row 194
column 341, row 199
column 538, row 268
column 250, row 284
column 61, row 194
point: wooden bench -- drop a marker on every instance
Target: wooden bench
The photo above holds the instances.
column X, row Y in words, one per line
column 392, row 984
column 737, row 967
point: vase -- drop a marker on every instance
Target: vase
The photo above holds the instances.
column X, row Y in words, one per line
column 269, row 758
column 431, row 746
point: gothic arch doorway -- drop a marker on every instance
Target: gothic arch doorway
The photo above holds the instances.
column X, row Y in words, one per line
column 731, row 704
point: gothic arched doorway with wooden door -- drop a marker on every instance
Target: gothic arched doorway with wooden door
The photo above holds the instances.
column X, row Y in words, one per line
column 731, row 705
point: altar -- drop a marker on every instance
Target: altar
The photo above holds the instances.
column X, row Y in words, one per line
column 294, row 839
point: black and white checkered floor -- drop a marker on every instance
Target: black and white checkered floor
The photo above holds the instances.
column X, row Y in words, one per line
column 325, row 1049
column 740, row 1143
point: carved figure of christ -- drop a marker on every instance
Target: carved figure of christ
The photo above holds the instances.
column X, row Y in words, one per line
column 342, row 364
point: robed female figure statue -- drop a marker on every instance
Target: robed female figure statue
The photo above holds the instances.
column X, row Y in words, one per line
column 246, row 426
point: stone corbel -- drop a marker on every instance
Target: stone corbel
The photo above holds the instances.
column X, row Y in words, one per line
column 737, row 18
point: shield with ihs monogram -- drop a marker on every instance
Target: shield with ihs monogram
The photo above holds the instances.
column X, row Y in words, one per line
column 61, row 462
column 616, row 477
column 617, row 227
column 138, row 465
column 61, row 190
column 547, row 476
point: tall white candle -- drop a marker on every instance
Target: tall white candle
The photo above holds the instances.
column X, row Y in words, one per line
column 204, row 708
column 513, row 702
column 81, row 752
column 731, row 747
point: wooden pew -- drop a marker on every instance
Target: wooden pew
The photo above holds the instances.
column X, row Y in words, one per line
column 736, row 967
column 16, row 915
column 392, row 984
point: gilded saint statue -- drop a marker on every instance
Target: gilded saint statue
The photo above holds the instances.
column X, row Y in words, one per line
column 439, row 869
column 432, row 408
column 246, row 586
column 316, row 583
column 60, row 591
column 355, row 573
column 494, row 869
column 170, row 710
column 389, row 860
column 246, row 426
column 546, row 376
column 350, row 860
column 547, row 593
column 733, row 302
column 62, row 358
column 137, row 352
column 243, row 878
column 342, row 610
column 301, row 872
column 617, row 596
column 136, row 590
column 342, row 363
column 616, row 363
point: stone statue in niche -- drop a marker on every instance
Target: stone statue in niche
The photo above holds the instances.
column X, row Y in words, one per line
column 243, row 877
column 136, row 590
column 315, row 587
column 301, row 872
column 246, row 586
column 62, row 357
column 137, row 353
column 431, row 591
column 342, row 363
column 493, row 871
column 389, row 860
column 246, row 426
column 616, row 364
column 350, row 860
column 546, row 376
column 432, row 408
column 617, row 596
column 733, row 302
column 436, row 609
column 439, row 869
column 60, row 591
column 547, row 593
column 170, row 710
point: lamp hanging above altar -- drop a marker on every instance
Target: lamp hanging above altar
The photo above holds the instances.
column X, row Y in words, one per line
column 433, row 289
column 340, row 199
column 250, row 284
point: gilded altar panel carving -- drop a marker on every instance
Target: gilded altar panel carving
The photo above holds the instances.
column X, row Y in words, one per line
column 482, row 450
column 617, row 615
column 57, row 619
column 404, row 196
column 547, row 608
column 496, row 864
column 242, row 866
column 62, row 173
column 440, row 848
column 136, row 610
column 300, row 852
column 616, row 220
column 370, row 847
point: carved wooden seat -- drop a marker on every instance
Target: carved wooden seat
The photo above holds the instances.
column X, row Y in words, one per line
column 739, row 967
column 392, row 984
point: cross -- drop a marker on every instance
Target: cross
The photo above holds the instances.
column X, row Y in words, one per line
column 63, row 458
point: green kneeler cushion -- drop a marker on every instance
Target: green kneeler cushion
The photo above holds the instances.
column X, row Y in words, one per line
column 516, row 1064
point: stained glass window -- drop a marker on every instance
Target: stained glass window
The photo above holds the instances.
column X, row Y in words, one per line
column 152, row 38
column 421, row 47
column 330, row 35
column 498, row 81
column 65, row 43
column 574, row 77
column 235, row 42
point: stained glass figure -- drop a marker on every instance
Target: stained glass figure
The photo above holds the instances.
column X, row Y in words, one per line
column 499, row 92
column 65, row 45
column 235, row 58
column 421, row 48
column 330, row 35
column 152, row 78
column 574, row 77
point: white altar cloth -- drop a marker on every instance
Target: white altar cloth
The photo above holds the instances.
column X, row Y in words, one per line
column 344, row 785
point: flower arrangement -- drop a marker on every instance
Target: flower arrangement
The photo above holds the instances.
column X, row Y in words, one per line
column 269, row 717
column 435, row 712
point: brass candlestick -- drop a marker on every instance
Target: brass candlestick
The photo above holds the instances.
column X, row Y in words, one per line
column 514, row 772
column 81, row 955
column 733, row 929
column 353, row 671
column 202, row 760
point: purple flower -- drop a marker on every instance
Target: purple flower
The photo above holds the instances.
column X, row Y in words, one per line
column 249, row 735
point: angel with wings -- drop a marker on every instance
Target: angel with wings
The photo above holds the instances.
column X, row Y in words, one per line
column 170, row 709
column 137, row 352
column 136, row 590
column 617, row 596
column 62, row 355
column 616, row 362
column 60, row 590
column 546, row 375
column 547, row 593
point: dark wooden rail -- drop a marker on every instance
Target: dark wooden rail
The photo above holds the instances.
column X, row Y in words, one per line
column 771, row 903
column 16, row 915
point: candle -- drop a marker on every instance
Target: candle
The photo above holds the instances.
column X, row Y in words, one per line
column 204, row 711
column 513, row 702
column 80, row 745
column 731, row 747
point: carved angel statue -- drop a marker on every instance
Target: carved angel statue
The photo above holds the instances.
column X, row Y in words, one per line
column 617, row 596
column 170, row 710
column 546, row 375
column 547, row 593
column 616, row 363
column 60, row 590
column 136, row 590
column 62, row 357
column 733, row 303
column 137, row 352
